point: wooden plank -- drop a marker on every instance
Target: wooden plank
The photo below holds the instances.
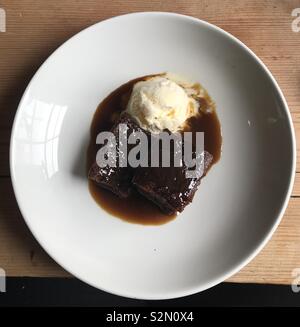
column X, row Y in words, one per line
column 36, row 28
column 296, row 188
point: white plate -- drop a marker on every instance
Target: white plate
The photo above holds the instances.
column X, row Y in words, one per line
column 240, row 202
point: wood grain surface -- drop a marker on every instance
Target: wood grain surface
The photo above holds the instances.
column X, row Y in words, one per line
column 36, row 28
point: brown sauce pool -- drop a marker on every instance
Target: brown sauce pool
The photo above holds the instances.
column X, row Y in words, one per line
column 136, row 208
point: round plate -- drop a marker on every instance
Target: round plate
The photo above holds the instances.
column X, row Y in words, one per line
column 239, row 203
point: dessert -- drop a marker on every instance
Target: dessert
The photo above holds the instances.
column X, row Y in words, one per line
column 168, row 187
column 152, row 105
column 159, row 103
column 116, row 179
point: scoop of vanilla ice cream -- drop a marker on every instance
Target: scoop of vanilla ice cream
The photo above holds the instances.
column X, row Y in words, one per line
column 159, row 103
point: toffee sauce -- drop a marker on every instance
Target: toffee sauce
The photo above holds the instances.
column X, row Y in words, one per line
column 136, row 208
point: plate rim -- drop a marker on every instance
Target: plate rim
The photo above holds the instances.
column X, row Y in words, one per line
column 260, row 245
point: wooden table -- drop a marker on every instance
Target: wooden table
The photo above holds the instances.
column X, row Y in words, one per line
column 35, row 28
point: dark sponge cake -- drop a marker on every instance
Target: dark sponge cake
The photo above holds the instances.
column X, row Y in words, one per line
column 168, row 187
column 116, row 179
